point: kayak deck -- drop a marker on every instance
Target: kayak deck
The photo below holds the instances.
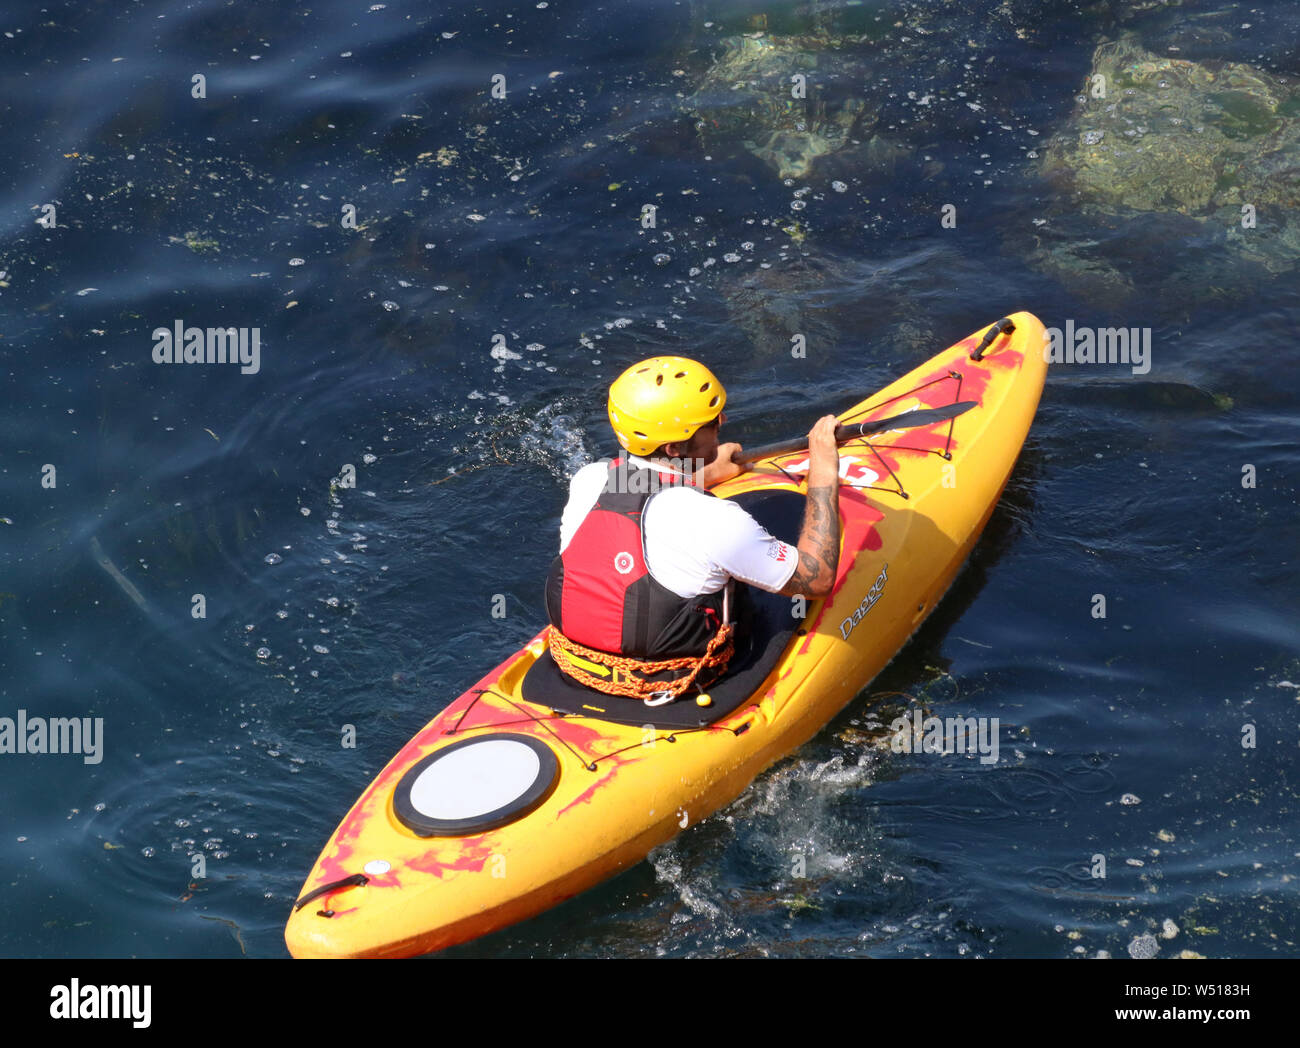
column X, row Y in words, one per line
column 912, row 504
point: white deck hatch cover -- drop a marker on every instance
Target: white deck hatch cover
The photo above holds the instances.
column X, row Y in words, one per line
column 475, row 785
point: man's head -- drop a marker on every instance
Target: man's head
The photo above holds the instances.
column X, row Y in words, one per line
column 668, row 407
column 699, row 450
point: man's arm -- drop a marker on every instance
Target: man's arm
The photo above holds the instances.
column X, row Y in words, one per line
column 819, row 539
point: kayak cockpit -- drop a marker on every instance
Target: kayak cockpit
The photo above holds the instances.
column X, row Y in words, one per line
column 769, row 621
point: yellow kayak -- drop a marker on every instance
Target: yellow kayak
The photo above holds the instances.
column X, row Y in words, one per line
column 529, row 789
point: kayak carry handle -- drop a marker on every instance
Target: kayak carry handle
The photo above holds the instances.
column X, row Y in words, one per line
column 1005, row 325
column 346, row 882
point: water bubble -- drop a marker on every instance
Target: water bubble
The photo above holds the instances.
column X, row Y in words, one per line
column 148, row 853
column 797, row 205
column 263, row 653
column 297, row 261
column 1130, row 798
column 1091, row 138
column 1143, row 947
column 273, row 558
column 661, row 259
column 390, row 305
column 839, row 187
column 320, row 649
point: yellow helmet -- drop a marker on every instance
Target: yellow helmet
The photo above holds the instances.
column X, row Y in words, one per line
column 663, row 400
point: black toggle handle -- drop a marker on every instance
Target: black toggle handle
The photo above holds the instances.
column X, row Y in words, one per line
column 1004, row 325
column 347, row 882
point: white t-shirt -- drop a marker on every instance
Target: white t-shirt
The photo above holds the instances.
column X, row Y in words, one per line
column 694, row 542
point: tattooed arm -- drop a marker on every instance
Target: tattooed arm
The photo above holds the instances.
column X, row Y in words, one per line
column 819, row 540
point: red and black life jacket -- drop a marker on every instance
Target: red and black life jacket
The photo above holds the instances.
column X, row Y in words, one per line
column 599, row 592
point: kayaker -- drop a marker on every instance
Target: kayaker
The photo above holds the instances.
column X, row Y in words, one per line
column 641, row 597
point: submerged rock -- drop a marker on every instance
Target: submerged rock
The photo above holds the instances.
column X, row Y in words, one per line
column 1205, row 155
column 1173, row 135
column 771, row 306
column 752, row 96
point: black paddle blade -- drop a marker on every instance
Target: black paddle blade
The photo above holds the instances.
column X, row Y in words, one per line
column 907, row 420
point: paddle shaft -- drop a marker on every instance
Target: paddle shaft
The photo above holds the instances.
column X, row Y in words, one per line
column 853, row 430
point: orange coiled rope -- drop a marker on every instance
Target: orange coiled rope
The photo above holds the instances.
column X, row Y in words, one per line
column 623, row 680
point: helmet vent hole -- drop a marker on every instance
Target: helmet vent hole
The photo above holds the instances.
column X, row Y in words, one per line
column 680, row 374
column 638, row 433
column 713, row 402
column 659, row 380
column 704, row 387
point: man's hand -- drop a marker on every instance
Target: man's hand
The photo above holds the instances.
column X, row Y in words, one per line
column 823, row 452
column 723, row 468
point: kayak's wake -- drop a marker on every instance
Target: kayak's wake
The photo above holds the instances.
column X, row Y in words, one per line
column 781, row 844
column 548, row 437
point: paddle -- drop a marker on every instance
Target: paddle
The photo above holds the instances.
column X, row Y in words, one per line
column 907, row 420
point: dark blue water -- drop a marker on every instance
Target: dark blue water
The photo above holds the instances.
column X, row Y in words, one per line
column 328, row 605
